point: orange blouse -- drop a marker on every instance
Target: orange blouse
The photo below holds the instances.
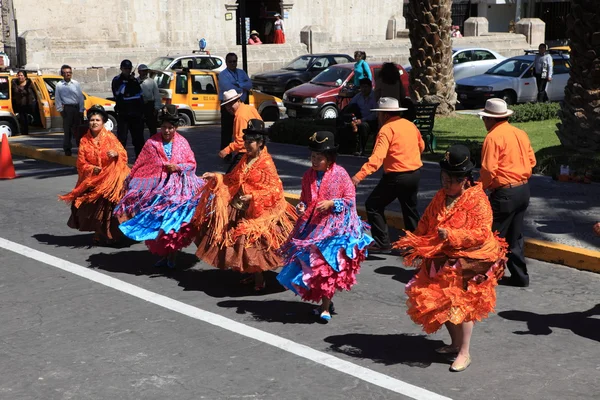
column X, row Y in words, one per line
column 108, row 184
column 469, row 227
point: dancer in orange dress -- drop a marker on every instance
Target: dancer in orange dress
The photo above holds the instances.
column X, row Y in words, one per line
column 460, row 259
column 242, row 217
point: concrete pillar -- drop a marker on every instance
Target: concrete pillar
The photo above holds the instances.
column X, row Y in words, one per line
column 476, row 26
column 390, row 32
column 316, row 38
column 534, row 30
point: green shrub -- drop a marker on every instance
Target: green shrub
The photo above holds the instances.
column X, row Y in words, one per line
column 297, row 131
column 534, row 112
column 550, row 159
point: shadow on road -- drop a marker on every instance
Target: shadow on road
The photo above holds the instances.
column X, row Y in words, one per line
column 83, row 240
column 581, row 323
column 214, row 282
column 398, row 274
column 412, row 350
column 285, row 312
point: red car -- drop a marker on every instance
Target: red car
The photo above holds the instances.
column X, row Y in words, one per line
column 319, row 97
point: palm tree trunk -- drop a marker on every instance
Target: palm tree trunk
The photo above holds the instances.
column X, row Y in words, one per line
column 580, row 112
column 432, row 76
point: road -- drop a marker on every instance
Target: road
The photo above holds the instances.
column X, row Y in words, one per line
column 81, row 322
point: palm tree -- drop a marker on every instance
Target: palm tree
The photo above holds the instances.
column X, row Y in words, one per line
column 432, row 76
column 580, row 111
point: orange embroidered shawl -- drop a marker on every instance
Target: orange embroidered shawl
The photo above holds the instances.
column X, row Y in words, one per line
column 267, row 208
column 469, row 227
column 108, row 184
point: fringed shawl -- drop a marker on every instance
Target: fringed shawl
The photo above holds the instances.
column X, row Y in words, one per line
column 149, row 178
column 469, row 226
column 108, row 184
column 267, row 208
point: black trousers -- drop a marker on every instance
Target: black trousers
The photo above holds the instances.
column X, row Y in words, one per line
column 365, row 129
column 236, row 159
column 541, row 87
column 403, row 186
column 226, row 128
column 133, row 123
column 509, row 206
column 23, row 112
column 150, row 117
column 71, row 121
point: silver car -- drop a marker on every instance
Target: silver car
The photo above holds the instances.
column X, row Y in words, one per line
column 513, row 81
column 196, row 60
column 471, row 61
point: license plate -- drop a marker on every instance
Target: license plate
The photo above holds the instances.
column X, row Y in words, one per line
column 462, row 96
column 291, row 113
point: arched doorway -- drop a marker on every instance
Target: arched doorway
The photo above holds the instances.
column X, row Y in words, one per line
column 259, row 17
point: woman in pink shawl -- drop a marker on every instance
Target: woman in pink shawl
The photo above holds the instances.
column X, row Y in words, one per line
column 162, row 192
column 328, row 243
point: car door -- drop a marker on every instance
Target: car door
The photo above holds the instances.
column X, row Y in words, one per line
column 462, row 63
column 55, row 117
column 318, row 65
column 556, row 87
column 205, row 98
column 527, row 87
column 43, row 102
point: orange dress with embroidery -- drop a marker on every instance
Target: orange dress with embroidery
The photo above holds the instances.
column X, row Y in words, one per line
column 457, row 276
column 244, row 240
column 95, row 196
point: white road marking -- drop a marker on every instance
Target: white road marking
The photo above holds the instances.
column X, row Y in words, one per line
column 300, row 350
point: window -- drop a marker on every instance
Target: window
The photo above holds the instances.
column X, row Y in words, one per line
column 181, row 84
column 320, row 63
column 463, row 57
column 51, row 86
column 160, row 63
column 482, row 55
column 561, row 67
column 203, row 84
column 333, row 76
column 162, row 80
column 513, row 67
column 341, row 60
column 4, row 88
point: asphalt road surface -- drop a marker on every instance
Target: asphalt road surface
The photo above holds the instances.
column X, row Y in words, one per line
column 82, row 322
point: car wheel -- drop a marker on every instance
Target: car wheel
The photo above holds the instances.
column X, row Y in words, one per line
column 270, row 114
column 8, row 128
column 111, row 124
column 329, row 112
column 292, row 84
column 184, row 120
column 509, row 97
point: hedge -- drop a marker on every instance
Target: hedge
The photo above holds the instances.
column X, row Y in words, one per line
column 534, row 112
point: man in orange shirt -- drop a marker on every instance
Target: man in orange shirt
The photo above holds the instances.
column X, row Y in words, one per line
column 398, row 148
column 242, row 113
column 507, row 160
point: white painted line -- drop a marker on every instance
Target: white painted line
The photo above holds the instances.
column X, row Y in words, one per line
column 365, row 374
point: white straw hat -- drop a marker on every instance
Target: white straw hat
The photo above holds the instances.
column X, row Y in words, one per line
column 495, row 108
column 388, row 104
column 229, row 96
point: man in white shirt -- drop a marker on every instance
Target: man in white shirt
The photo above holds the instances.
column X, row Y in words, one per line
column 152, row 99
column 68, row 99
column 543, row 66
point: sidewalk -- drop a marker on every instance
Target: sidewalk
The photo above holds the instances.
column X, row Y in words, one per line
column 561, row 214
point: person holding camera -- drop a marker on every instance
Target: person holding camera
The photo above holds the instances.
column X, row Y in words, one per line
column 367, row 123
column 543, row 69
column 68, row 99
column 127, row 92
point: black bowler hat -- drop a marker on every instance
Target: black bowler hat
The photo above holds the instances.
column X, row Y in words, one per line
column 97, row 109
column 255, row 130
column 322, row 141
column 169, row 113
column 457, row 160
column 126, row 64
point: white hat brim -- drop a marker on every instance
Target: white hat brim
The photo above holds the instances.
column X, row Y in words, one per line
column 234, row 98
column 389, row 109
column 508, row 113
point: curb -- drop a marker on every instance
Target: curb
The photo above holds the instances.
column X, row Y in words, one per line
column 556, row 253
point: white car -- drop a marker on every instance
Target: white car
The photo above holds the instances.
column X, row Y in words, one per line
column 513, row 81
column 471, row 61
column 197, row 60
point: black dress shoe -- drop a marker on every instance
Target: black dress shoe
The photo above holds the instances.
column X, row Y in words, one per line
column 68, row 153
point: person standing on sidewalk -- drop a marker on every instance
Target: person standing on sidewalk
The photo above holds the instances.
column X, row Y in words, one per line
column 242, row 114
column 543, row 69
column 23, row 99
column 367, row 123
column 130, row 107
column 398, row 148
column 152, row 99
column 507, row 160
column 68, row 99
column 236, row 79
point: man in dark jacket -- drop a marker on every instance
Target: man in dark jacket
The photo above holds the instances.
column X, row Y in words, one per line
column 130, row 107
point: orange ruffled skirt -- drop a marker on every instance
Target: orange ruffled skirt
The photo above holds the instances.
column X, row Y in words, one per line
column 455, row 291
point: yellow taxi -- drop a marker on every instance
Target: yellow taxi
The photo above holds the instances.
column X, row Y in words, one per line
column 196, row 95
column 45, row 116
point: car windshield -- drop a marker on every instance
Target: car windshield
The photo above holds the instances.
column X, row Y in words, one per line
column 160, row 63
column 511, row 67
column 299, row 64
column 332, row 77
column 4, row 93
column 162, row 80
